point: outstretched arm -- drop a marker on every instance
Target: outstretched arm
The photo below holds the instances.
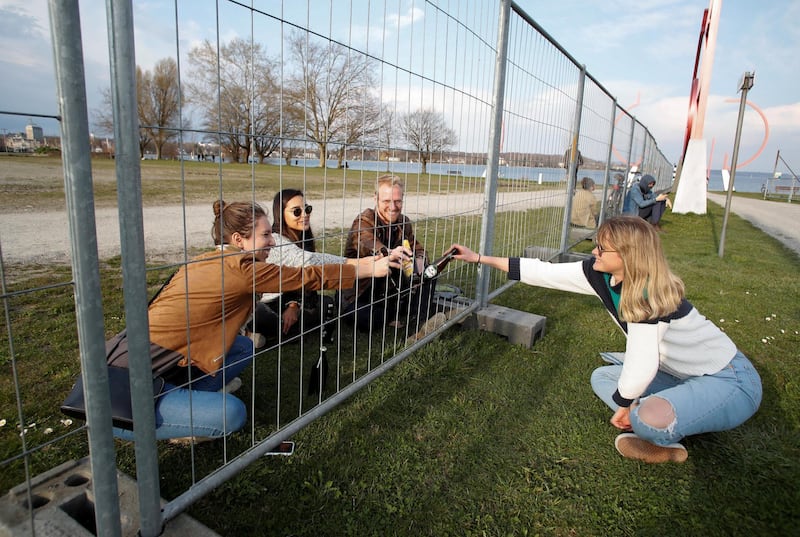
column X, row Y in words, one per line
column 376, row 267
column 467, row 255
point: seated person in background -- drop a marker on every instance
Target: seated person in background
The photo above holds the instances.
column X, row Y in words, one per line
column 388, row 300
column 642, row 201
column 291, row 312
column 584, row 205
column 198, row 314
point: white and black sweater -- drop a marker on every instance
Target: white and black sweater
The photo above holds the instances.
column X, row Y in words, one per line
column 684, row 344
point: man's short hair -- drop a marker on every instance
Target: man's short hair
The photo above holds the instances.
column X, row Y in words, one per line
column 388, row 180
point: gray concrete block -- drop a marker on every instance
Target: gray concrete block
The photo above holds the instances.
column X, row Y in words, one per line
column 520, row 327
column 551, row 254
column 62, row 502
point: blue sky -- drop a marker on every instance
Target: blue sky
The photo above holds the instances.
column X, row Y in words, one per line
column 642, row 52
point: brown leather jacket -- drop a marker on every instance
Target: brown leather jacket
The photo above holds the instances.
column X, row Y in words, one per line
column 368, row 235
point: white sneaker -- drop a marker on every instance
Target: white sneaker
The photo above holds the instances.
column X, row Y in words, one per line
column 234, row 384
column 258, row 339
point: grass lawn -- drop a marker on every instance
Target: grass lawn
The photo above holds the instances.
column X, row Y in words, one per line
column 36, row 182
column 471, row 436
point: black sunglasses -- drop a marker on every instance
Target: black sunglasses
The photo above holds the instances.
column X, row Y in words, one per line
column 297, row 211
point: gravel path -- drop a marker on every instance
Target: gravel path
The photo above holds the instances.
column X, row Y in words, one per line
column 42, row 237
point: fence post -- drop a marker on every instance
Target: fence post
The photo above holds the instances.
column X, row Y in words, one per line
column 495, row 136
column 65, row 26
column 119, row 15
column 607, row 175
column 744, row 85
column 644, row 149
column 573, row 161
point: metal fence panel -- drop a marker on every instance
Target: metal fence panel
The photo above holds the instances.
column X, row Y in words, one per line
column 324, row 98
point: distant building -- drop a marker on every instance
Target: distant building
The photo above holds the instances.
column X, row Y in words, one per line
column 17, row 143
column 34, row 133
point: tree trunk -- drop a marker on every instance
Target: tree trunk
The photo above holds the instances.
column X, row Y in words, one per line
column 323, row 154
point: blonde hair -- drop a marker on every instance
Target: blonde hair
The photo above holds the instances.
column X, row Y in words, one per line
column 388, row 180
column 651, row 290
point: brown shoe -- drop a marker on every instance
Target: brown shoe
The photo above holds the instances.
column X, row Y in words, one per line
column 631, row 446
column 429, row 326
column 189, row 440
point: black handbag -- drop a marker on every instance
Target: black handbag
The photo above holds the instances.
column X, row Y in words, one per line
column 119, row 387
column 162, row 361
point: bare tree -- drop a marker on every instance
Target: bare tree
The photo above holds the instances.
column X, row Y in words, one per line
column 386, row 135
column 104, row 117
column 330, row 95
column 236, row 93
column 160, row 100
column 362, row 125
column 158, row 106
column 426, row 131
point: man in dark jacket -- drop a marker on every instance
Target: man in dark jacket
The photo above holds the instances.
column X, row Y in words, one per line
column 642, row 201
column 397, row 298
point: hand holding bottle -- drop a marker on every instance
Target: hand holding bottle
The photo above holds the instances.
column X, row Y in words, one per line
column 436, row 268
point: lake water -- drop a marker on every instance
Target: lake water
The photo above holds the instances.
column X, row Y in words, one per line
column 744, row 182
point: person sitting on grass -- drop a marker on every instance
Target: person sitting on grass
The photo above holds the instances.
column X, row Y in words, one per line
column 642, row 201
column 680, row 375
column 399, row 298
column 199, row 312
column 585, row 211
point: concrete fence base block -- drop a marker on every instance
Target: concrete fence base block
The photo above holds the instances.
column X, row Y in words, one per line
column 62, row 501
column 520, row 327
column 551, row 254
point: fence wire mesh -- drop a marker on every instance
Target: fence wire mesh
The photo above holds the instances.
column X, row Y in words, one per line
column 322, row 98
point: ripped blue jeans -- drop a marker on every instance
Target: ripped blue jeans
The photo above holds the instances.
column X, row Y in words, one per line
column 703, row 404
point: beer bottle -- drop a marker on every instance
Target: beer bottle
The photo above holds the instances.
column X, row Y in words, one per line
column 435, row 268
column 408, row 264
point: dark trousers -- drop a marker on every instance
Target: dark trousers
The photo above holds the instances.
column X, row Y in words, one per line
column 653, row 213
column 409, row 303
column 267, row 322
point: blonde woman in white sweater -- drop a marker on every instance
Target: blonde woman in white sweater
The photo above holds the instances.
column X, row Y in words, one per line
column 680, row 375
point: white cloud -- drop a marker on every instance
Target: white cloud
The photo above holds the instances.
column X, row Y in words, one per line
column 399, row 20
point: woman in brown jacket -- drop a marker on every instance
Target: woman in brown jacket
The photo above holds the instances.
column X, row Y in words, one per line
column 199, row 312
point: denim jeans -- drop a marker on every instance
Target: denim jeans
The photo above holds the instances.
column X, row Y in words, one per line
column 202, row 410
column 703, row 404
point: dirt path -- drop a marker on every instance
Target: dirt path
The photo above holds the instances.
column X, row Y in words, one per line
column 42, row 237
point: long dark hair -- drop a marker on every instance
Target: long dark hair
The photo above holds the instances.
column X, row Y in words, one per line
column 305, row 238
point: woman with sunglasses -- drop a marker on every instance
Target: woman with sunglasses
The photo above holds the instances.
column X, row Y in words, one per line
column 680, row 375
column 293, row 312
